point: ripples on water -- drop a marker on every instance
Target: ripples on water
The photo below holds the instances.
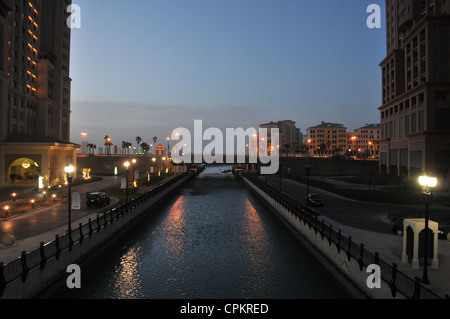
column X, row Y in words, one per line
column 213, row 240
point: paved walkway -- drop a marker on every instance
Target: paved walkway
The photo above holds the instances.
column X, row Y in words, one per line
column 389, row 246
column 41, row 225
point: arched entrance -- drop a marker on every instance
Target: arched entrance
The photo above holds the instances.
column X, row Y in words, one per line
column 24, row 172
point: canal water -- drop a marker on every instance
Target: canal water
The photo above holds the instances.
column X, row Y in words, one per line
column 213, row 240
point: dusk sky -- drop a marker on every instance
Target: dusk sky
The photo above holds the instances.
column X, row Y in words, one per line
column 145, row 67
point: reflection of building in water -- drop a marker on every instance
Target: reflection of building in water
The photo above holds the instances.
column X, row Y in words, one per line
column 34, row 92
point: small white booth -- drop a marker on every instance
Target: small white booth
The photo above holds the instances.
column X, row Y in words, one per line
column 411, row 231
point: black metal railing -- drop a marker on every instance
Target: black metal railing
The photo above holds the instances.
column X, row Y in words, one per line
column 397, row 281
column 20, row 267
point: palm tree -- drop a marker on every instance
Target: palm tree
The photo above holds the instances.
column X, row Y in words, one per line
column 138, row 140
column 304, row 148
column 322, row 148
column 91, row 147
column 145, row 148
column 349, row 155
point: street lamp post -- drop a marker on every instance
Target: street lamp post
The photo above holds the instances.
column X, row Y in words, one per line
column 127, row 165
column 84, row 135
column 427, row 183
column 168, row 146
column 308, row 173
column 280, row 178
column 134, row 171
column 69, row 171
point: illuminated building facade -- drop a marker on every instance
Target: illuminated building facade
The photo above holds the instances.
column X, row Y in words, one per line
column 35, row 90
column 327, row 139
column 415, row 114
column 290, row 137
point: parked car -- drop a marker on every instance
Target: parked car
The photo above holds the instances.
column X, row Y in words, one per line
column 315, row 200
column 97, row 199
column 397, row 227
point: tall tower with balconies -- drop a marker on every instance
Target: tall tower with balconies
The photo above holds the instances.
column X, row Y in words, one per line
column 35, row 89
column 415, row 114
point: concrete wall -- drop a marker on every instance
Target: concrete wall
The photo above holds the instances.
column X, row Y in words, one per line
column 105, row 165
column 328, row 167
column 38, row 279
column 348, row 268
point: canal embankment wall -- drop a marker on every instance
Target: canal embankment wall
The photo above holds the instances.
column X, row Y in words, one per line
column 34, row 272
column 341, row 255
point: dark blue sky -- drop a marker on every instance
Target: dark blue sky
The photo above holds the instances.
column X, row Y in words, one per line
column 146, row 67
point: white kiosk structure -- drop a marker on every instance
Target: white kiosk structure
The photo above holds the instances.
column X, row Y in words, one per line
column 417, row 226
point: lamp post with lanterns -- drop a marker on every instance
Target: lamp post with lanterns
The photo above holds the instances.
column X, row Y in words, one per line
column 168, row 146
column 69, row 170
column 308, row 173
column 83, row 134
column 428, row 183
column 127, row 165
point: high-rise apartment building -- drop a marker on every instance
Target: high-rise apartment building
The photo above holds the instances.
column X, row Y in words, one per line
column 415, row 114
column 35, row 90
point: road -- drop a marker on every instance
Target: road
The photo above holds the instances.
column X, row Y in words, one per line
column 49, row 218
column 361, row 215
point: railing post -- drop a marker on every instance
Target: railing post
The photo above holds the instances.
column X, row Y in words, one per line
column 349, row 248
column 315, row 224
column 330, row 234
column 360, row 258
column 81, row 233
column 106, row 222
column 25, row 269
column 417, row 287
column 58, row 247
column 338, row 244
column 90, row 228
column 98, row 223
column 393, row 280
column 69, row 233
column 43, row 257
column 323, row 229
column 3, row 282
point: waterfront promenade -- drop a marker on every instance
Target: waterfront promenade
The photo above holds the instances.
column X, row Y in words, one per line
column 384, row 241
column 357, row 223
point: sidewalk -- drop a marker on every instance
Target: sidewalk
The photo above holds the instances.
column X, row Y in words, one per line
column 47, row 233
column 389, row 246
column 52, row 220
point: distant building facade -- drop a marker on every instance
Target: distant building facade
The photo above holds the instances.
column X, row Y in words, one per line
column 327, row 139
column 290, row 139
column 366, row 140
column 415, row 114
column 35, row 90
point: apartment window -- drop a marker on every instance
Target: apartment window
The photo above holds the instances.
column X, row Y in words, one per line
column 407, row 124
column 421, row 121
column 413, row 122
column 442, row 120
column 440, row 96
